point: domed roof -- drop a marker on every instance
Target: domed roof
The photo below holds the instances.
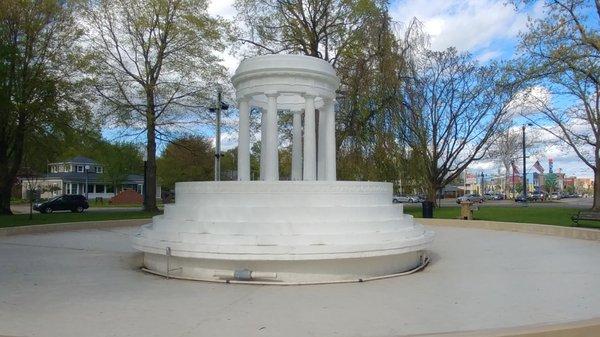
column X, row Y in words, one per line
column 284, row 62
column 290, row 76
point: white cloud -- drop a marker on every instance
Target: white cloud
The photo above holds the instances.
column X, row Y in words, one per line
column 488, row 55
column 529, row 101
column 222, row 8
column 465, row 24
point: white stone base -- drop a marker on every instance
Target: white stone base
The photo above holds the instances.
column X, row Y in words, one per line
column 285, row 272
column 283, row 232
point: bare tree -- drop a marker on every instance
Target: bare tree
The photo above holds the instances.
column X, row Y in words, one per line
column 451, row 108
column 155, row 66
column 319, row 28
column 561, row 54
column 507, row 147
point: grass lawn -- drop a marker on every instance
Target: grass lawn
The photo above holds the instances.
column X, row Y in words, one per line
column 539, row 215
column 94, row 203
column 58, row 217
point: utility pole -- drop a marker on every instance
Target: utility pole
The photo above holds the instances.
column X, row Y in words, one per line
column 218, row 138
column 219, row 106
column 145, row 158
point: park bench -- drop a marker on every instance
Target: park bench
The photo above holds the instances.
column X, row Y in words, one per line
column 585, row 215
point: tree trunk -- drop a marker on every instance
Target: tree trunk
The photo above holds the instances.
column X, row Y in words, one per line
column 9, row 168
column 5, row 190
column 432, row 191
column 150, row 195
column 596, row 205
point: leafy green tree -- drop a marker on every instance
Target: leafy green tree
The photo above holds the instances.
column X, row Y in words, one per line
column 561, row 62
column 550, row 182
column 519, row 188
column 42, row 96
column 119, row 160
column 155, row 64
column 255, row 161
column 186, row 159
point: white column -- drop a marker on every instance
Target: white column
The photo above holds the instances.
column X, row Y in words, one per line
column 243, row 164
column 321, row 144
column 263, row 141
column 297, row 146
column 330, row 165
column 310, row 165
column 272, row 140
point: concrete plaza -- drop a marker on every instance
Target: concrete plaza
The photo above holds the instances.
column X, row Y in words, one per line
column 88, row 283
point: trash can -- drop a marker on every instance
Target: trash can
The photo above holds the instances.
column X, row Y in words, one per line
column 427, row 209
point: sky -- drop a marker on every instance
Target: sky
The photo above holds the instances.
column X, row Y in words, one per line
column 488, row 29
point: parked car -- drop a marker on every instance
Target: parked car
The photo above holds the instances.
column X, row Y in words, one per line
column 418, row 198
column 74, row 203
column 406, row 198
column 556, row 196
column 537, row 196
column 520, row 198
column 400, row 199
column 493, row 196
column 474, row 197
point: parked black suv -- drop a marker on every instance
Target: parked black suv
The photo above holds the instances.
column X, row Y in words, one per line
column 74, row 203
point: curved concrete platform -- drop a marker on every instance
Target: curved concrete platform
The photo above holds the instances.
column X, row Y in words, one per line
column 283, row 232
column 479, row 283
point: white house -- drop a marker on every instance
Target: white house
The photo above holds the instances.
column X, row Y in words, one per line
column 80, row 175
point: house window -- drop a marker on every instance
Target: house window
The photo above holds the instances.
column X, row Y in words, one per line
column 79, row 168
column 98, row 169
column 99, row 188
column 90, row 188
column 53, row 168
column 110, row 189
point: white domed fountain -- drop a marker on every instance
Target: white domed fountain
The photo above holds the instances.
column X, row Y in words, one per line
column 312, row 229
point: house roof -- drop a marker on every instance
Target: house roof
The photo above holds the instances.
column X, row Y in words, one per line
column 79, row 160
column 82, row 160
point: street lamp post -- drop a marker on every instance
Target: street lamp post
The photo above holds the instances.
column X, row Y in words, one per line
column 482, row 184
column 512, row 184
column 524, row 166
column 87, row 186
